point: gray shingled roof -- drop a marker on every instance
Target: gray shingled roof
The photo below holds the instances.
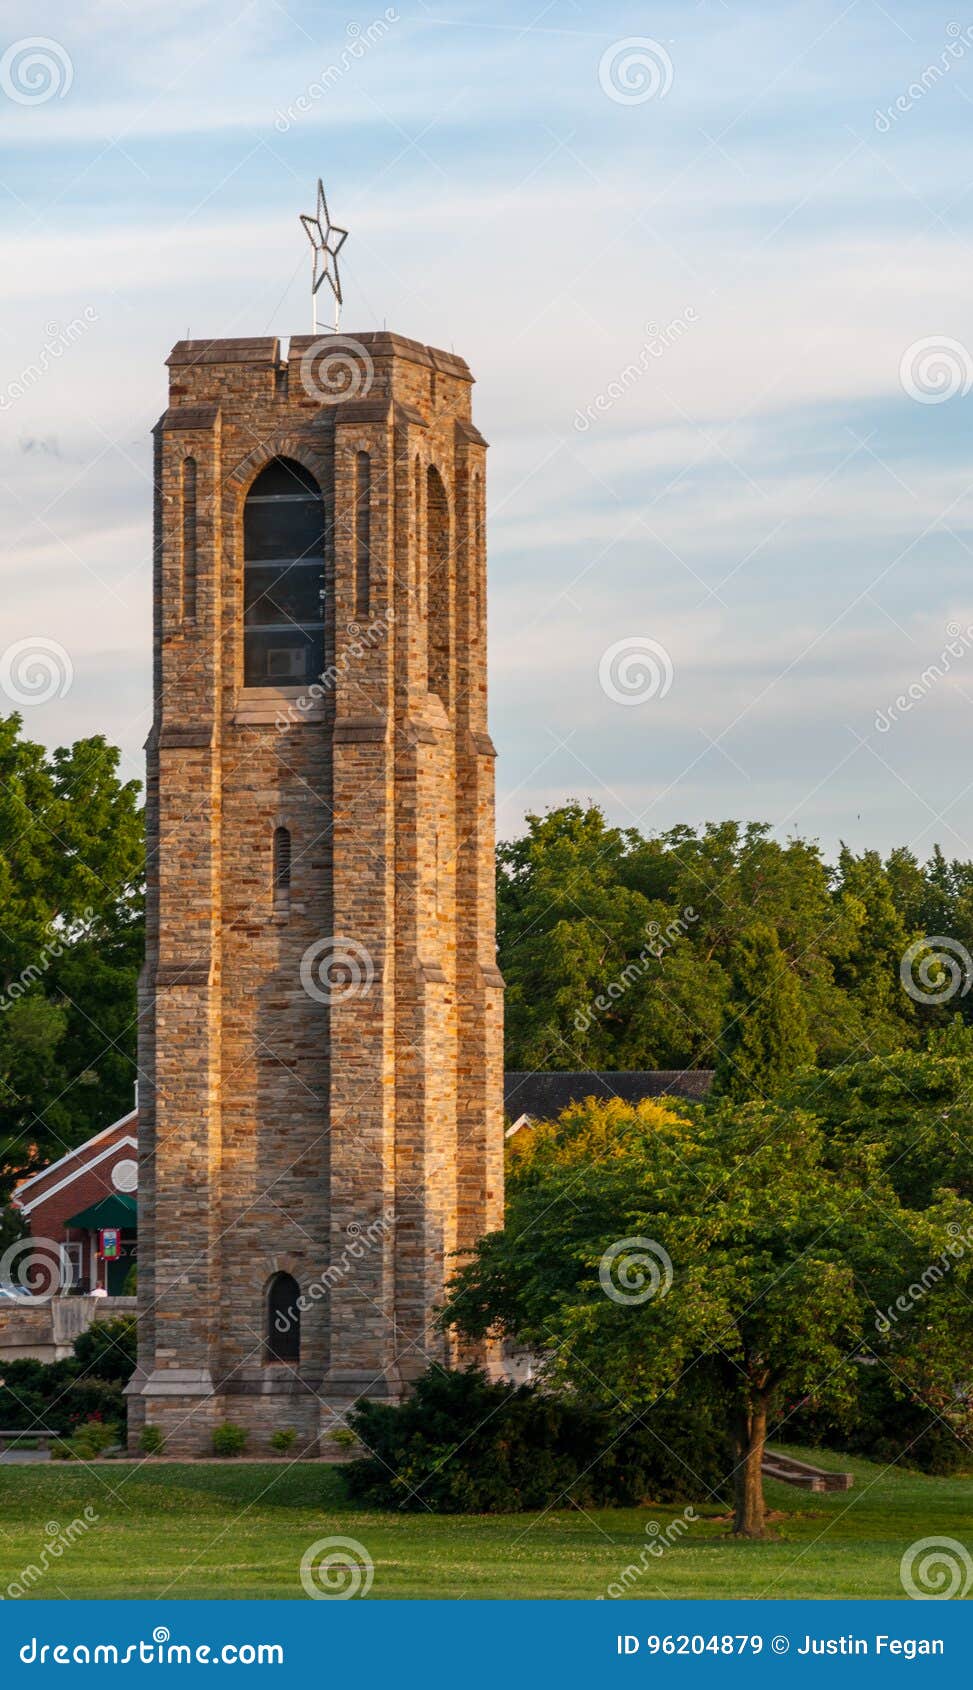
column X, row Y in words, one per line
column 543, row 1096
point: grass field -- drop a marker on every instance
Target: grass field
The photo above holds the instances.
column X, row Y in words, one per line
column 226, row 1531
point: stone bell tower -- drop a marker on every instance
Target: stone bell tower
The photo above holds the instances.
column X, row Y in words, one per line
column 321, row 1100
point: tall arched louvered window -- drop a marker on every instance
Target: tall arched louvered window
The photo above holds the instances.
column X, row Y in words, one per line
column 283, row 577
column 189, row 540
column 439, row 587
column 283, row 1319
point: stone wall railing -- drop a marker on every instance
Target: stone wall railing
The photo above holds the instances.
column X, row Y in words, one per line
column 46, row 1327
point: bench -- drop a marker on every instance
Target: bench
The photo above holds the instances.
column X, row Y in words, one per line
column 39, row 1436
column 792, row 1472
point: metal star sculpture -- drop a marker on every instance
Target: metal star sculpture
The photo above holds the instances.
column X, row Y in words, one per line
column 327, row 241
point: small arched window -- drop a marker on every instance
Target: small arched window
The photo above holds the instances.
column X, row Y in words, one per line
column 283, row 572
column 282, row 870
column 363, row 533
column 189, row 539
column 283, row 1319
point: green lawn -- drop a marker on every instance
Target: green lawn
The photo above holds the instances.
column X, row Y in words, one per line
column 240, row 1531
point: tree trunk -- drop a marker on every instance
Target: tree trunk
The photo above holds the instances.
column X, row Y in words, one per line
column 748, row 1483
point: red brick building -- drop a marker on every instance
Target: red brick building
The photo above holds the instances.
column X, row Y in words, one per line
column 94, row 1186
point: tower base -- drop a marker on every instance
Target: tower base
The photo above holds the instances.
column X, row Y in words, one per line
column 186, row 1415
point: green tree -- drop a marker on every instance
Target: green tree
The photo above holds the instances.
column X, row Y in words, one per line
column 108, row 1349
column 618, row 951
column 13, row 1227
column 880, row 1016
column 733, row 1255
column 766, row 1036
column 601, row 971
column 917, row 1104
column 71, row 864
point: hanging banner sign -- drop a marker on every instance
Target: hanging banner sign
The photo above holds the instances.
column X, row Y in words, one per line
column 110, row 1245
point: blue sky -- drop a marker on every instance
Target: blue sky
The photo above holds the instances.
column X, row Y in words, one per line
column 778, row 497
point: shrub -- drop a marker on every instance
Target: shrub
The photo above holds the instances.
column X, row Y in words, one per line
column 26, row 1374
column 93, row 1438
column 20, row 1410
column 151, row 1441
column 107, row 1349
column 43, row 1381
column 61, row 1402
column 229, row 1439
column 89, row 1399
column 885, row 1426
column 283, row 1439
column 60, row 1396
column 524, row 1448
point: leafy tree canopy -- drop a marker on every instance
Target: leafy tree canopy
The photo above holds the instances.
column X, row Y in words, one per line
column 766, row 1037
column 621, row 951
column 71, row 863
column 916, row 1104
column 737, row 1250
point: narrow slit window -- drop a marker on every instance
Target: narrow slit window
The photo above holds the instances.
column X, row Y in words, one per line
column 282, row 870
column 189, row 540
column 420, row 592
column 363, row 533
column 476, row 560
column 439, row 590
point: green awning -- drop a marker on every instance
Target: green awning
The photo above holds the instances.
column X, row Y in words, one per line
column 120, row 1211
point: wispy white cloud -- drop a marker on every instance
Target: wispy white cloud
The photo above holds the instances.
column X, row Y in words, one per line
column 501, row 203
